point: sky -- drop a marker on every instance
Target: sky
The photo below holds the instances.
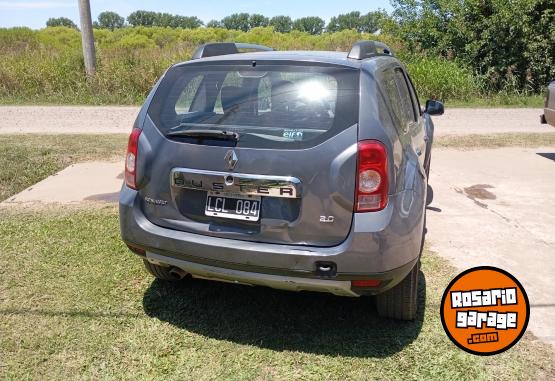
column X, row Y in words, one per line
column 34, row 13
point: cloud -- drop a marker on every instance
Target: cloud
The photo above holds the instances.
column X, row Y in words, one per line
column 34, row 4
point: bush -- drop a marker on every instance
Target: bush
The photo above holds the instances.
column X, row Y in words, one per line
column 438, row 78
column 47, row 65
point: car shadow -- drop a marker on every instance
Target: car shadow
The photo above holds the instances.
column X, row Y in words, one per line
column 430, row 199
column 550, row 156
column 279, row 320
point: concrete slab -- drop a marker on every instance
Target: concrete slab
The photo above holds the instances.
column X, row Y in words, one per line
column 497, row 207
column 94, row 181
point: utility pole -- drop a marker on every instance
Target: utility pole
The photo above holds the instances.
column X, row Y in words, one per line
column 87, row 37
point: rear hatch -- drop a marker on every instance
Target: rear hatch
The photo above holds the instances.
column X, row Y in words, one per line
column 255, row 151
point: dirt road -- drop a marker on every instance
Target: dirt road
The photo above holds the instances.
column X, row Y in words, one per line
column 116, row 119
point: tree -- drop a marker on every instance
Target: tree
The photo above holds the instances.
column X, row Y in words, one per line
column 141, row 18
column 163, row 20
column 372, row 21
column 509, row 43
column 166, row 20
column 109, row 20
column 187, row 22
column 60, row 21
column 350, row 20
column 214, row 24
column 312, row 25
column 256, row 20
column 237, row 21
column 282, row 24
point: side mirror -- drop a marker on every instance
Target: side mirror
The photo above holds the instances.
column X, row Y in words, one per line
column 434, row 107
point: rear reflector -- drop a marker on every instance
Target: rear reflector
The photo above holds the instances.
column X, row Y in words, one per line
column 365, row 283
column 372, row 184
column 136, row 250
column 131, row 158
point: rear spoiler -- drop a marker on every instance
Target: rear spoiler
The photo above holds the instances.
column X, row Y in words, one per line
column 223, row 48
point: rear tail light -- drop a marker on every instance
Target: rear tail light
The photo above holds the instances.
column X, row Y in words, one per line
column 366, row 283
column 371, row 183
column 131, row 159
column 136, row 250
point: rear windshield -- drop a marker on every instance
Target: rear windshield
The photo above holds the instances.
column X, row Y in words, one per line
column 266, row 105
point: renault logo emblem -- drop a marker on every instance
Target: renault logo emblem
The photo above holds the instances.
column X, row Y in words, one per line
column 231, row 159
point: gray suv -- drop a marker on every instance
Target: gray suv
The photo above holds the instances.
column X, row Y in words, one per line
column 292, row 170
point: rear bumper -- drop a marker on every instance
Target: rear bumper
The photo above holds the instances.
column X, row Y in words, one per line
column 384, row 245
column 283, row 282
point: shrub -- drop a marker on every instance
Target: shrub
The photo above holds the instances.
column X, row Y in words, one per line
column 439, row 78
column 47, row 65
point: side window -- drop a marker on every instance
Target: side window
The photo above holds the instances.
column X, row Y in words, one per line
column 408, row 112
column 231, row 79
column 392, row 93
column 187, row 96
column 414, row 96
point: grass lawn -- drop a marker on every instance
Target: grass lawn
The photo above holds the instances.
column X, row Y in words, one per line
column 26, row 159
column 499, row 101
column 75, row 303
column 477, row 141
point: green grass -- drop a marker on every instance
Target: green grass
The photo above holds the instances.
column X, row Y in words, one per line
column 75, row 304
column 499, row 101
column 26, row 159
column 480, row 141
column 46, row 66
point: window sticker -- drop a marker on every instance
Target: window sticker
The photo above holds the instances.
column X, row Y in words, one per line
column 293, row 134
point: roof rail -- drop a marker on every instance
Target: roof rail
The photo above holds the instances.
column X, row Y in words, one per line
column 366, row 49
column 223, row 48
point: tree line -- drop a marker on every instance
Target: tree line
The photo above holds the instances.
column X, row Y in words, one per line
column 369, row 22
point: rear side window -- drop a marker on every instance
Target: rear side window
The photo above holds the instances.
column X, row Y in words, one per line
column 404, row 94
column 185, row 100
column 268, row 105
column 399, row 97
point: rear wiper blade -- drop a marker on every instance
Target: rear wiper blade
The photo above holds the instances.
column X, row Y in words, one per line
column 208, row 134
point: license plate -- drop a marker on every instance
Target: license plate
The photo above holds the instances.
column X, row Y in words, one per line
column 229, row 205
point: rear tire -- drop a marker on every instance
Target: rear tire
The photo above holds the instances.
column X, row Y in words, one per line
column 160, row 272
column 401, row 301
